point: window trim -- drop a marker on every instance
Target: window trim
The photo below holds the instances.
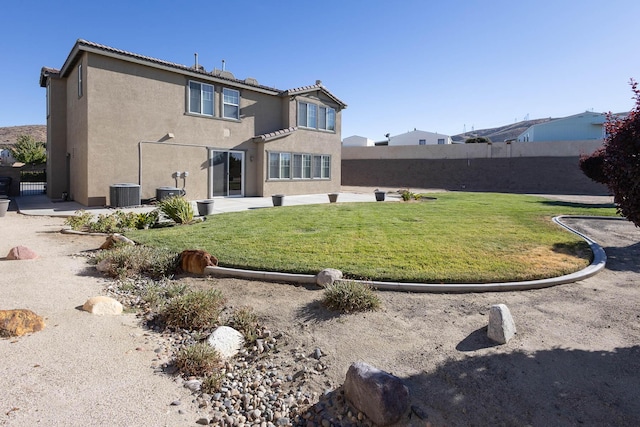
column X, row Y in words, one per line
column 80, row 91
column 321, row 171
column 202, row 100
column 329, row 119
column 224, row 104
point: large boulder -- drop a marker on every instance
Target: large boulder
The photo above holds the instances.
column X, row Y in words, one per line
column 379, row 395
column 102, row 305
column 195, row 261
column 21, row 253
column 501, row 325
column 226, row 340
column 15, row 323
column 327, row 276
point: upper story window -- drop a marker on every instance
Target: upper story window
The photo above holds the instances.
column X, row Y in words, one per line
column 316, row 117
column 230, row 103
column 307, row 115
column 422, row 142
column 441, row 141
column 80, row 81
column 327, row 118
column 200, row 98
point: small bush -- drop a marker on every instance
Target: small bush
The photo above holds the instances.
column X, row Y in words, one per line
column 350, row 296
column 178, row 209
column 409, row 195
column 200, row 360
column 196, row 310
column 592, row 165
column 146, row 220
column 245, row 321
column 80, row 221
column 136, row 261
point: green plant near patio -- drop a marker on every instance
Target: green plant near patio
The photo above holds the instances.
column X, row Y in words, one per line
column 457, row 238
column 116, row 222
column 178, row 209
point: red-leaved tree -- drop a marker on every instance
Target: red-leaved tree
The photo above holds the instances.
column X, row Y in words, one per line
column 621, row 165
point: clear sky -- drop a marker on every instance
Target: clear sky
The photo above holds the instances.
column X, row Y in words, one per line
column 439, row 66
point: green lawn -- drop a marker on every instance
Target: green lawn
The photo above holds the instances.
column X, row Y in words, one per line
column 457, row 238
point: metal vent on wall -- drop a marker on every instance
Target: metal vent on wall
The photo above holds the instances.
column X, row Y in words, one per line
column 124, row 195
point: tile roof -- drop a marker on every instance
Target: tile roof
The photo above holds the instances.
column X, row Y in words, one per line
column 85, row 45
column 281, row 133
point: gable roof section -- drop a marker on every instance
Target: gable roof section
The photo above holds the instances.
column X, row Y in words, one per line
column 314, row 88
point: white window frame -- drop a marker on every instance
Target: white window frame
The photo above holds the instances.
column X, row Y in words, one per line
column 80, row 91
column 202, row 98
column 225, row 103
column 307, row 115
column 326, row 118
column 298, row 166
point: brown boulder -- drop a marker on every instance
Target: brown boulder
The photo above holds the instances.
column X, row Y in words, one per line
column 21, row 253
column 15, row 323
column 195, row 261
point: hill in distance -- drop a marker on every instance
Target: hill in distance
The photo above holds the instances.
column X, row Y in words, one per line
column 9, row 135
column 502, row 133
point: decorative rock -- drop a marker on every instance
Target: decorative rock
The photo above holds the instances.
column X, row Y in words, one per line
column 327, row 276
column 226, row 340
column 15, row 323
column 20, row 253
column 379, row 395
column 102, row 305
column 114, row 239
column 195, row 261
column 501, row 326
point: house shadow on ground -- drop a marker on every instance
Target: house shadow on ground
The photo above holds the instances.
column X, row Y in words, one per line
column 557, row 387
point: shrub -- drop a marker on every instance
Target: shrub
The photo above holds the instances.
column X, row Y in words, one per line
column 80, row 221
column 592, row 165
column 408, row 195
column 195, row 310
column 178, row 209
column 199, row 360
column 135, row 261
column 350, row 296
column 245, row 320
column 28, row 150
column 212, row 382
column 622, row 159
column 146, row 220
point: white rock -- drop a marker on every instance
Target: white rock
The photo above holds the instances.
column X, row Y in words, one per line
column 103, row 266
column 327, row 276
column 501, row 326
column 226, row 340
column 102, row 305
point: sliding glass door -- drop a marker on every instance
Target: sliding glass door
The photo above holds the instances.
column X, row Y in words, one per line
column 227, row 173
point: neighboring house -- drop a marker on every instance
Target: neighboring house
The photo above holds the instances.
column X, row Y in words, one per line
column 357, row 141
column 6, row 157
column 583, row 126
column 419, row 137
column 117, row 117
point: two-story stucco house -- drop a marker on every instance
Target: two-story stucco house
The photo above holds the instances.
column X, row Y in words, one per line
column 118, row 117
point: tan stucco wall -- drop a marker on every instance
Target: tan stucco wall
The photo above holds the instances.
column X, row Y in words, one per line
column 57, row 139
column 77, row 133
column 474, row 151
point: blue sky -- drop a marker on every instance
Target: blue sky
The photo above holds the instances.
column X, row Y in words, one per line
column 398, row 65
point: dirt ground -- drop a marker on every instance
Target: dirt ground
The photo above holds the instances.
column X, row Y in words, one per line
column 574, row 361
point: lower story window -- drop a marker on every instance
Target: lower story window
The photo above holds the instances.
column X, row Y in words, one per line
column 299, row 166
